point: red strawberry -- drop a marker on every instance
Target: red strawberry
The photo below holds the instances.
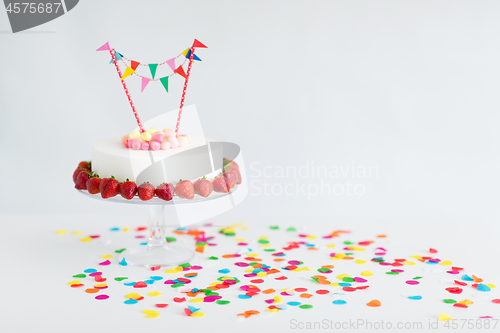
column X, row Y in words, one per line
column 229, row 164
column 146, row 191
column 220, row 185
column 237, row 173
column 76, row 173
column 109, row 187
column 165, row 191
column 93, row 185
column 84, row 165
column 230, row 177
column 128, row 189
column 81, row 180
column 203, row 187
column 184, row 189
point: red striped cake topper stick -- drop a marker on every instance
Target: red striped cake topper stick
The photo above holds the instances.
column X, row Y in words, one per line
column 196, row 43
column 106, row 47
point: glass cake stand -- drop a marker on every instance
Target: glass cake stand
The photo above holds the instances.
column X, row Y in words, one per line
column 157, row 252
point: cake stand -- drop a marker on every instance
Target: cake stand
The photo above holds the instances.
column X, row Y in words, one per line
column 157, row 252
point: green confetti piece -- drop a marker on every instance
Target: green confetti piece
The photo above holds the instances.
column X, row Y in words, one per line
column 348, row 254
column 417, row 277
column 253, row 263
column 315, row 279
column 305, row 306
column 323, row 270
column 222, row 302
column 392, row 273
column 270, row 250
column 348, row 279
column 211, row 293
column 187, row 265
column 213, row 258
column 449, row 301
column 80, row 275
column 201, row 244
column 263, row 241
column 171, row 239
column 177, row 285
column 291, row 229
column 348, row 243
column 274, row 227
column 120, row 278
column 120, row 251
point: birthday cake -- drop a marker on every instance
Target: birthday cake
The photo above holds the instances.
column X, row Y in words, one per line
column 149, row 163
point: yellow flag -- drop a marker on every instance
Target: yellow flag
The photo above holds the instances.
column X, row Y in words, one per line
column 128, row 71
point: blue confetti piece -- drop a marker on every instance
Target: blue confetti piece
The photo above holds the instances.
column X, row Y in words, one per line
column 345, row 284
column 431, row 262
column 279, row 255
column 192, row 308
column 131, row 301
column 149, row 281
column 145, row 243
column 378, row 258
column 90, row 270
column 129, row 284
column 465, row 277
column 123, row 262
column 242, row 296
column 257, row 270
column 294, row 303
column 224, row 270
column 483, row 287
column 114, row 229
column 156, row 278
column 282, row 307
column 182, row 229
column 339, row 301
column 309, row 245
column 418, row 297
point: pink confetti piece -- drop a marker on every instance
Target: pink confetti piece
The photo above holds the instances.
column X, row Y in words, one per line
column 196, row 267
column 242, row 264
column 360, row 280
column 412, row 282
column 95, row 273
column 105, row 263
column 453, row 272
column 102, row 297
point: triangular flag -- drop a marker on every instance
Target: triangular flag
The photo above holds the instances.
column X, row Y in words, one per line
column 145, row 81
column 185, row 53
column 181, row 72
column 171, row 63
column 128, row 71
column 195, row 57
column 152, row 68
column 164, row 81
column 118, row 57
column 134, row 64
column 197, row 43
column 105, row 47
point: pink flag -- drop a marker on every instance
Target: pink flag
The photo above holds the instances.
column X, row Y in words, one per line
column 171, row 63
column 145, row 81
column 105, row 47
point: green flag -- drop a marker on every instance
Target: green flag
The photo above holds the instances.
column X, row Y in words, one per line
column 152, row 68
column 164, row 81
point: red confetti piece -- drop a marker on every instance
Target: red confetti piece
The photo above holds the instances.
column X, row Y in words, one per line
column 179, row 300
column 281, row 278
column 431, row 250
column 362, row 287
column 496, row 301
column 187, row 311
column 99, row 278
column 349, row 289
column 460, row 305
column 454, row 290
column 102, row 297
column 161, row 305
column 460, row 283
column 300, row 290
column 141, row 228
column 322, row 292
column 140, row 284
column 155, row 268
column 94, row 236
column 76, row 285
column 457, row 268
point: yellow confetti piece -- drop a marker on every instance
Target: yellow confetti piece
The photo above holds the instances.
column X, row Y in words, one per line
column 265, row 245
column 263, row 237
column 366, row 273
column 298, row 269
column 106, row 256
column 133, row 296
column 341, row 276
column 335, row 284
column 252, row 255
column 311, row 237
column 261, row 274
column 491, row 285
column 359, row 261
column 214, row 283
column 100, row 285
column 76, row 232
column 409, row 263
column 126, row 229
column 240, row 239
column 61, row 232
column 334, row 258
column 272, row 310
column 86, row 239
column 278, row 299
column 355, row 248
column 174, row 270
column 154, row 293
column 466, row 302
column 330, row 245
column 249, row 270
column 416, row 257
column 444, row 317
column 151, row 313
column 197, row 314
column 446, row 263
column 306, row 269
column 74, row 282
column 340, row 255
column 197, row 300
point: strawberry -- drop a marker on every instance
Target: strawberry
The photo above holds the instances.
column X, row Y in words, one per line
column 84, row 165
column 184, row 189
column 230, row 177
column 203, row 187
column 76, row 173
column 146, row 191
column 220, row 185
column 128, row 189
column 229, row 164
column 165, row 191
column 93, row 184
column 109, row 187
column 81, row 180
column 237, row 173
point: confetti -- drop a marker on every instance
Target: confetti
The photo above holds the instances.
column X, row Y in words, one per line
column 101, row 297
column 151, row 313
column 120, row 250
column 418, row 297
column 339, row 301
column 79, row 276
column 305, row 306
column 92, row 290
column 131, row 301
column 61, row 232
column 374, row 303
column 154, row 294
column 105, row 263
column 123, row 262
column 444, row 317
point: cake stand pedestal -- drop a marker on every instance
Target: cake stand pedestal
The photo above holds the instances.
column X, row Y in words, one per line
column 157, row 252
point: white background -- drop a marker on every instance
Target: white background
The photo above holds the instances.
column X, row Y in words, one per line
column 410, row 87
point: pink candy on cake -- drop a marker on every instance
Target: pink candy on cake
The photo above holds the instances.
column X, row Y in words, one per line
column 155, row 140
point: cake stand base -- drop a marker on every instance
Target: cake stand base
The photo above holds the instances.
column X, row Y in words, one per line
column 150, row 255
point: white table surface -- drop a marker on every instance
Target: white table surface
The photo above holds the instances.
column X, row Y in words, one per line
column 37, row 264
